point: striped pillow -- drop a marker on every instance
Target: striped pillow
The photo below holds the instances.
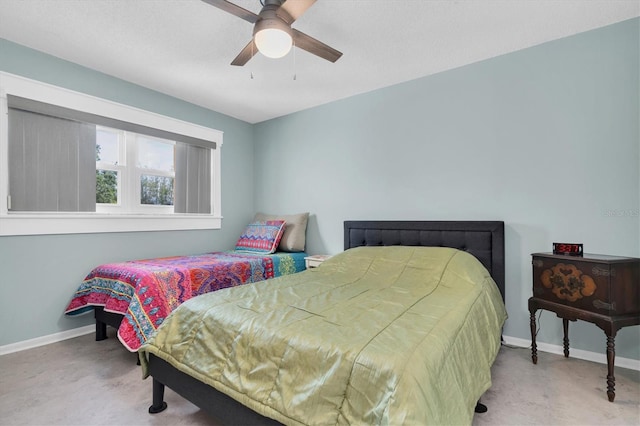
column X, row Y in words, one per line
column 261, row 236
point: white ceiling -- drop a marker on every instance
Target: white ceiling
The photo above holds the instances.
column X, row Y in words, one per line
column 184, row 47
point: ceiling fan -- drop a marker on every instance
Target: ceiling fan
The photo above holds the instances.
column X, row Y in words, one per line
column 272, row 32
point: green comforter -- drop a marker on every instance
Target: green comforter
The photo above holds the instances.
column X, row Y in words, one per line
column 375, row 335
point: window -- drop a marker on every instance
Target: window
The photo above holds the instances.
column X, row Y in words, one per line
column 102, row 168
column 135, row 172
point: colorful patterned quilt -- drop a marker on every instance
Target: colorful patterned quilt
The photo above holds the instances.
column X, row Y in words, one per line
column 146, row 291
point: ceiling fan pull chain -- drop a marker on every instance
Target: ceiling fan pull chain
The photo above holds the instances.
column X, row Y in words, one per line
column 295, row 77
column 252, row 53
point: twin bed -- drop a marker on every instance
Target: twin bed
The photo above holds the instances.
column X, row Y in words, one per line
column 135, row 297
column 400, row 328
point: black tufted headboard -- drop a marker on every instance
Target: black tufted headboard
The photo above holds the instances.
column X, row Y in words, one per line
column 483, row 239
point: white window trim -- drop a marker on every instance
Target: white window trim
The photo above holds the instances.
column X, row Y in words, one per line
column 12, row 223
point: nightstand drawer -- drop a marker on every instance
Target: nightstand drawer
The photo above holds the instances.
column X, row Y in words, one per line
column 602, row 284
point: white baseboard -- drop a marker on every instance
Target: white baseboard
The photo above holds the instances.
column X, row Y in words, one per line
column 600, row 358
column 45, row 340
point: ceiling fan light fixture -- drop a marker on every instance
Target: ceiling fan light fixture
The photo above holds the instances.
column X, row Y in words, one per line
column 271, row 34
column 273, row 42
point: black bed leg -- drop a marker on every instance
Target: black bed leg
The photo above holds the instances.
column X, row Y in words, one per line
column 101, row 330
column 480, row 408
column 158, row 398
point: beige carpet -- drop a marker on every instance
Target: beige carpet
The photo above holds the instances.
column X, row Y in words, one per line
column 84, row 382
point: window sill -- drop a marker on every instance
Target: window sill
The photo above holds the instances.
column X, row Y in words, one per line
column 49, row 224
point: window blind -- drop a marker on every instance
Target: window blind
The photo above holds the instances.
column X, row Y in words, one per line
column 51, row 163
column 192, row 180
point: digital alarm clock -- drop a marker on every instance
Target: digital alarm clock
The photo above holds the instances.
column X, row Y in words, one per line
column 569, row 249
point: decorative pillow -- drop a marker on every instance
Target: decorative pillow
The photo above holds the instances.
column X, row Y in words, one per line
column 294, row 237
column 261, row 236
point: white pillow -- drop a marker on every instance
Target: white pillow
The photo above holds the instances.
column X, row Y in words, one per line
column 295, row 231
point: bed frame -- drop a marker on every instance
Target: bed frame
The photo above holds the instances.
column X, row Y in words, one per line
column 103, row 319
column 483, row 239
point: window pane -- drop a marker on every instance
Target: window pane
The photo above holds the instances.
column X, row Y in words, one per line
column 155, row 154
column 106, row 187
column 156, row 190
column 107, row 147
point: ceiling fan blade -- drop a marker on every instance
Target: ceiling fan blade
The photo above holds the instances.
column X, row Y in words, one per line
column 246, row 54
column 314, row 46
column 234, row 10
column 295, row 8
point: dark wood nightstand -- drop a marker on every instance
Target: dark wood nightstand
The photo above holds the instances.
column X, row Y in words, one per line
column 601, row 289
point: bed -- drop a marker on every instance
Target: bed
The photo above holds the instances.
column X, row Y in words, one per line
column 402, row 327
column 136, row 296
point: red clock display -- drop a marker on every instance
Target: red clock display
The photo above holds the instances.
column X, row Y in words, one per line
column 570, row 249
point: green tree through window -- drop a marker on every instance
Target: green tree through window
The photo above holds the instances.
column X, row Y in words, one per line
column 106, row 184
column 156, row 190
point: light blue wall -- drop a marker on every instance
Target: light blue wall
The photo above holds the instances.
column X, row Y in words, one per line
column 38, row 274
column 545, row 139
column 486, row 141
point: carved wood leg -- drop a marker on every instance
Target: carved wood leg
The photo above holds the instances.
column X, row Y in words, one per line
column 158, row 398
column 565, row 327
column 534, row 348
column 611, row 355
